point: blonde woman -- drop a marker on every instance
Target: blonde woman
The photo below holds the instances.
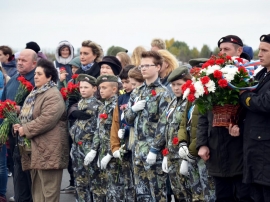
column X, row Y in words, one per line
column 169, row 64
column 136, row 56
column 124, row 58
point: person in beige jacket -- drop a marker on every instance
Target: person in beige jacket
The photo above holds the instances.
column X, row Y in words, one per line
column 43, row 121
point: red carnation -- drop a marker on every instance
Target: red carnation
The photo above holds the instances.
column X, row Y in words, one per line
column 229, row 57
column 62, row 69
column 63, row 92
column 242, row 70
column 192, row 89
column 21, row 79
column 191, row 98
column 223, row 83
column 217, row 74
column 75, row 76
column 175, row 141
column 103, row 116
column 219, row 61
column 239, row 60
column 153, row 92
column 206, row 92
column 195, row 71
column 165, row 152
column 80, row 143
column 205, row 80
column 205, row 65
column 211, row 62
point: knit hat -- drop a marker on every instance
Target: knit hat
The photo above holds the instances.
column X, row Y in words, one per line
column 87, row 78
column 33, row 45
column 106, row 78
column 231, row 39
column 115, row 49
column 113, row 62
column 76, row 62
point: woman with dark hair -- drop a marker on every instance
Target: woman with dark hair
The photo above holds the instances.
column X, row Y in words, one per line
column 8, row 60
column 43, row 121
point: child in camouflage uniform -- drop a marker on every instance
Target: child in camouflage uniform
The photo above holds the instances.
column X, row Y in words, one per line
column 166, row 136
column 104, row 181
column 120, row 142
column 201, row 184
column 82, row 133
column 145, row 107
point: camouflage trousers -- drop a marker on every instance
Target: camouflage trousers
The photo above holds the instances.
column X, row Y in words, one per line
column 81, row 174
column 120, row 181
column 150, row 181
column 202, row 185
column 99, row 181
column 179, row 183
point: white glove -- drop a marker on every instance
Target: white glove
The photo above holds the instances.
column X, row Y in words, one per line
column 184, row 168
column 151, row 158
column 121, row 133
column 90, row 157
column 138, row 106
column 105, row 160
column 165, row 164
column 183, row 152
column 191, row 159
column 98, row 164
column 117, row 154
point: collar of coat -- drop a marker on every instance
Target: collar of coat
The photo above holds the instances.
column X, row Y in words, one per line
column 111, row 100
column 156, row 83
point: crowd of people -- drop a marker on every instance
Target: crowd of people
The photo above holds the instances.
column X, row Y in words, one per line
column 122, row 128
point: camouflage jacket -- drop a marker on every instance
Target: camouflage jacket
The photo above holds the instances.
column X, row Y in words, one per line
column 145, row 122
column 168, row 127
column 83, row 130
column 101, row 141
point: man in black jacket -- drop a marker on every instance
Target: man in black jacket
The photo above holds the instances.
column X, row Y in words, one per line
column 222, row 152
column 256, row 160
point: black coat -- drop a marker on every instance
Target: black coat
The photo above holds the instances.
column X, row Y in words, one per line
column 226, row 152
column 93, row 71
column 257, row 131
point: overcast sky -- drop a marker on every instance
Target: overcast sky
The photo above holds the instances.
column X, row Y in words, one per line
column 129, row 23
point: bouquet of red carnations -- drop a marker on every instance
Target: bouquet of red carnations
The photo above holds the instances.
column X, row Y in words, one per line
column 218, row 83
column 8, row 112
column 8, row 108
column 72, row 89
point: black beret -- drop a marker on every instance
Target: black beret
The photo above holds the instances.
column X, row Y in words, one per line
column 197, row 62
column 106, row 78
column 265, row 38
column 178, row 73
column 87, row 78
column 231, row 39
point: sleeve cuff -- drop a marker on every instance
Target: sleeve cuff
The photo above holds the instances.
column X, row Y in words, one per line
column 153, row 150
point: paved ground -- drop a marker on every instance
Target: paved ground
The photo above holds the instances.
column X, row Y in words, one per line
column 63, row 197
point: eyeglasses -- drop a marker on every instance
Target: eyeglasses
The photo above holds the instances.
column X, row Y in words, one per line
column 145, row 66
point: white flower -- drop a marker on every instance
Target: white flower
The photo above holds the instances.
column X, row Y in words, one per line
column 186, row 93
column 211, row 86
column 199, row 89
column 211, row 69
